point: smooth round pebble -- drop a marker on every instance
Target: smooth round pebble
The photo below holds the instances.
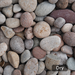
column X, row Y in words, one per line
column 52, row 72
column 17, row 44
column 33, row 15
column 1, row 70
column 29, row 43
column 17, row 15
column 73, row 28
column 53, row 1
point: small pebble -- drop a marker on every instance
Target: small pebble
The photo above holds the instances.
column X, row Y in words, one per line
column 73, row 28
column 1, row 70
column 17, row 15
column 52, row 72
column 33, row 15
column 53, row 1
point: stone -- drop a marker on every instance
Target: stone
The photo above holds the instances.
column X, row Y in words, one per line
column 29, row 43
column 8, row 32
column 51, row 60
column 26, row 19
column 1, row 70
column 50, row 43
column 43, row 73
column 4, row 3
column 25, row 56
column 8, row 70
column 29, row 33
column 16, row 8
column 31, row 67
column 42, row 29
column 17, row 44
column 28, row 5
column 53, row 1
column 3, row 48
column 17, row 15
column 69, row 38
column 67, row 49
column 14, row 1
column 2, row 18
column 59, row 22
column 8, row 11
column 73, row 28
column 33, row 15
column 44, row 8
column 38, row 53
column 43, row 59
column 52, row 72
column 13, row 58
column 50, row 20
column 63, row 13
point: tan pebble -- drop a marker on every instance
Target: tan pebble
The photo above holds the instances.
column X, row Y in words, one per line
column 34, row 23
column 33, row 15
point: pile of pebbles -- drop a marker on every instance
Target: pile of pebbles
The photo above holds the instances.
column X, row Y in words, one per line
column 35, row 35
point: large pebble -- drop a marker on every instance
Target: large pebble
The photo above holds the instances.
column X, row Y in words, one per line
column 52, row 72
column 13, row 58
column 17, row 44
column 1, row 70
column 8, row 70
column 50, row 43
column 31, row 67
column 44, row 8
column 42, row 29
column 4, row 3
column 8, row 32
column 26, row 19
column 67, row 14
column 28, row 5
column 53, row 1
column 69, row 38
column 12, row 22
column 3, row 48
column 25, row 56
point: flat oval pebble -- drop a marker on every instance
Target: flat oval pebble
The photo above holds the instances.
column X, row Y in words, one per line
column 13, row 58
column 12, row 22
column 67, row 14
column 17, row 44
column 50, row 43
column 45, row 8
column 42, row 29
column 26, row 19
column 25, row 56
column 31, row 67
column 1, row 70
column 69, row 38
column 38, row 53
column 28, row 5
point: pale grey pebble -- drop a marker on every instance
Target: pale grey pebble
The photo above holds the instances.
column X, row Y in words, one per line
column 43, row 59
column 44, row 8
column 8, row 70
column 17, row 44
column 29, row 43
column 1, row 70
column 17, row 15
column 25, row 56
column 71, row 63
column 59, row 22
column 36, row 42
column 43, row 73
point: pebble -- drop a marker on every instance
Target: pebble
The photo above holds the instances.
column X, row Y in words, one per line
column 73, row 28
column 31, row 67
column 52, row 72
column 25, row 56
column 69, row 38
column 71, row 1
column 2, row 18
column 38, row 53
column 43, row 59
column 73, row 73
column 12, row 22
column 3, row 48
column 13, row 58
column 62, row 4
column 17, row 15
column 50, row 43
column 53, row 1
column 67, row 27
column 43, row 73
column 50, row 20
column 44, row 8
column 33, row 15
column 51, row 60
column 14, row 1
column 67, row 49
column 16, row 72
column 4, row 3
column 63, row 57
column 28, row 5
column 42, row 29
column 63, row 13
column 26, row 19
column 17, row 44
column 29, row 33
column 16, row 8
column 8, row 32
column 1, row 70
column 59, row 22
column 18, row 29
column 8, row 11
column 41, row 67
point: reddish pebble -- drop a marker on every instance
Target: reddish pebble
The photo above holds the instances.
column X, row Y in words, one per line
column 38, row 53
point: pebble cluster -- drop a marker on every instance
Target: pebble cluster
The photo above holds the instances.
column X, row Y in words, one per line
column 35, row 35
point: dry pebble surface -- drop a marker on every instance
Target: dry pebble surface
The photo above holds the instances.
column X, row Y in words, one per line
column 35, row 35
